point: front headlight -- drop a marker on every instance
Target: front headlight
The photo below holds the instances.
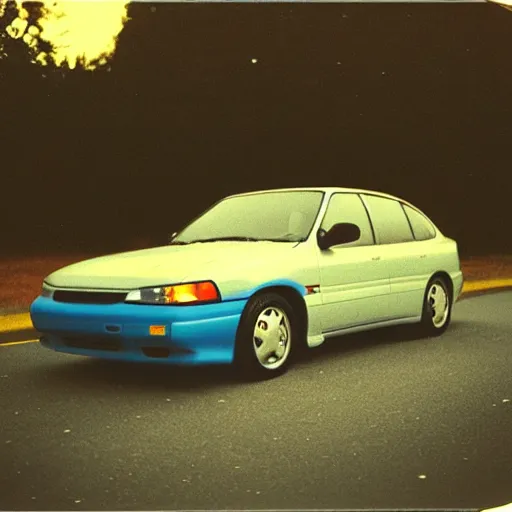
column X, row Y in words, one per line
column 190, row 293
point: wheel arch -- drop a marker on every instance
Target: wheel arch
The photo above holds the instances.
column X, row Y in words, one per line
column 296, row 301
column 446, row 278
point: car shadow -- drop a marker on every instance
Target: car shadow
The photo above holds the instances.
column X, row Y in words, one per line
column 94, row 374
column 364, row 341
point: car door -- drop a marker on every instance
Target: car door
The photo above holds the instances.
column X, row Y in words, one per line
column 404, row 258
column 354, row 281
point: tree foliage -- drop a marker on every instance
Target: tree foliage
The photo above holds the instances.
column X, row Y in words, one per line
column 16, row 52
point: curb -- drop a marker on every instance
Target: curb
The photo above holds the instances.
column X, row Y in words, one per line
column 486, row 284
column 18, row 327
column 15, row 322
column 483, row 291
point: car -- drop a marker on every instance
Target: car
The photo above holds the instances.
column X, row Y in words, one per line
column 256, row 280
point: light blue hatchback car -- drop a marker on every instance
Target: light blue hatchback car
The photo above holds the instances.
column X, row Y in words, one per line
column 255, row 280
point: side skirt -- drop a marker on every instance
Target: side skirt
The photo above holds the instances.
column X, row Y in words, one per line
column 315, row 341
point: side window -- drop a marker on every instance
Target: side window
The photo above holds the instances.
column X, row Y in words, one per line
column 421, row 227
column 389, row 220
column 349, row 208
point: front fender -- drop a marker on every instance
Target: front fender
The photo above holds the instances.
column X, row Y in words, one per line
column 250, row 291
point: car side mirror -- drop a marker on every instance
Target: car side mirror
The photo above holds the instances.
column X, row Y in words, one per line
column 341, row 233
column 171, row 238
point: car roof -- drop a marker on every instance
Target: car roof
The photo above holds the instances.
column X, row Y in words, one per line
column 327, row 190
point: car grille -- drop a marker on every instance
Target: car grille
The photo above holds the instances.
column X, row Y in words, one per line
column 88, row 297
column 90, row 343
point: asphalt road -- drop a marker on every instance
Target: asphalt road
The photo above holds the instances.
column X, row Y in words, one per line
column 375, row 420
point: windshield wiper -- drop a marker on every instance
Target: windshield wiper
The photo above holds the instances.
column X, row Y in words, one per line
column 226, row 239
column 284, row 240
column 236, row 239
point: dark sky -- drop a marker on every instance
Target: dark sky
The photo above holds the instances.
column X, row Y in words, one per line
column 410, row 99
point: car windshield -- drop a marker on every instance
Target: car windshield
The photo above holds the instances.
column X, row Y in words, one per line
column 286, row 216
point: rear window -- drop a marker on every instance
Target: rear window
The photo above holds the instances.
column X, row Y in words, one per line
column 421, row 226
column 389, row 220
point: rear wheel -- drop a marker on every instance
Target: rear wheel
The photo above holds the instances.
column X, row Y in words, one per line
column 265, row 336
column 437, row 308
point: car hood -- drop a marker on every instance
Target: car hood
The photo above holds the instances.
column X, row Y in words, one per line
column 166, row 265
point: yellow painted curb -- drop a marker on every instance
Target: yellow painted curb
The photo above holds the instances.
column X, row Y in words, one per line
column 18, row 322
column 21, row 321
column 476, row 286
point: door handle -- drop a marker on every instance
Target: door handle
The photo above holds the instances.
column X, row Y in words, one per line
column 376, row 258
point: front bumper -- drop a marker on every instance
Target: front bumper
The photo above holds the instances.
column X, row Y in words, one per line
column 200, row 334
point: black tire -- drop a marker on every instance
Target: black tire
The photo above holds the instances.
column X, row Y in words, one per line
column 247, row 363
column 428, row 326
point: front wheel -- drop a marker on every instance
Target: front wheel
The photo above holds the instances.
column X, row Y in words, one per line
column 265, row 336
column 437, row 308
